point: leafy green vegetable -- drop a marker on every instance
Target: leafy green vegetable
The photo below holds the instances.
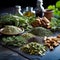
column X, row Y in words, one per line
column 51, row 7
column 8, row 19
column 55, row 8
column 20, row 21
column 55, row 23
column 58, row 4
column 56, row 12
column 14, row 41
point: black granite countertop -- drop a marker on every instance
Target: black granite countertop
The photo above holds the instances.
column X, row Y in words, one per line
column 6, row 54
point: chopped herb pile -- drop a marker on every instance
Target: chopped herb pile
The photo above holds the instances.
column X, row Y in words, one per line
column 40, row 31
column 13, row 41
column 28, row 35
column 34, row 48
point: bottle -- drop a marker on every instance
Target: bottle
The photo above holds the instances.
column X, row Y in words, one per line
column 32, row 10
column 28, row 12
column 18, row 10
column 25, row 12
column 39, row 9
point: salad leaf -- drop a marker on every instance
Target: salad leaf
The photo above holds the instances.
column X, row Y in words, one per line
column 58, row 4
column 55, row 8
column 51, row 7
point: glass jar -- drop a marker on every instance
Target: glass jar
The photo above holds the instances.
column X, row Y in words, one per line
column 48, row 14
column 39, row 9
column 29, row 12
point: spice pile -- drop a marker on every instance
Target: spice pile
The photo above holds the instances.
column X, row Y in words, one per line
column 34, row 48
column 52, row 42
column 44, row 22
column 10, row 30
column 40, row 31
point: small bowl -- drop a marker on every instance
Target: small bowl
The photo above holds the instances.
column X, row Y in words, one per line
column 12, row 33
column 48, row 14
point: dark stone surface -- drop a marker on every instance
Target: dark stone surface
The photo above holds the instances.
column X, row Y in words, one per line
column 6, row 54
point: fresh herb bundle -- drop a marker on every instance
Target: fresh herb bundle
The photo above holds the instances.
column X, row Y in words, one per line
column 16, row 41
column 55, row 24
column 19, row 21
column 55, row 8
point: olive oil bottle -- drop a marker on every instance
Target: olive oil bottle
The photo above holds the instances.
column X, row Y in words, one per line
column 29, row 12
